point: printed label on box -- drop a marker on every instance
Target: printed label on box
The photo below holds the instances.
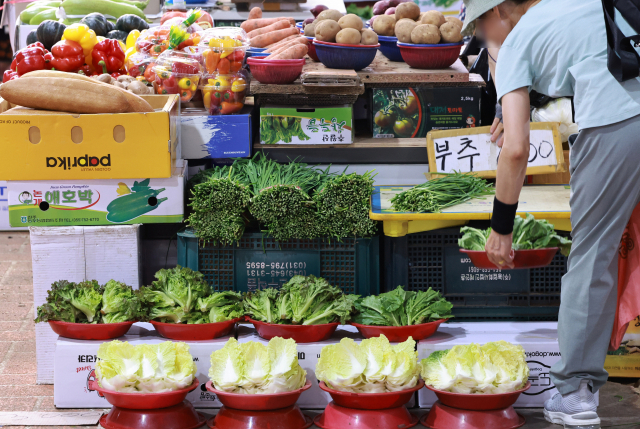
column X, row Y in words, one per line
column 291, row 125
column 625, row 362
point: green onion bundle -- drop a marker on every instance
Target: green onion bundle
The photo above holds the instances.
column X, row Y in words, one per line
column 218, row 204
column 343, row 205
column 439, row 193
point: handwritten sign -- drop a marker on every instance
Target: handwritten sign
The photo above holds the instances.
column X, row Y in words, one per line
column 471, row 150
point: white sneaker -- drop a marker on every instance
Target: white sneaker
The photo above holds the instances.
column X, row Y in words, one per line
column 577, row 409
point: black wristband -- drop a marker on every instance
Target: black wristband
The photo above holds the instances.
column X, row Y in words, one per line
column 503, row 216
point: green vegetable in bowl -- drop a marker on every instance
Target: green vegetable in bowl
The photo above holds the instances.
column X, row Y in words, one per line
column 528, row 233
column 402, row 308
column 119, row 303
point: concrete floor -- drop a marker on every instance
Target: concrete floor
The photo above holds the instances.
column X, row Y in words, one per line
column 619, row 402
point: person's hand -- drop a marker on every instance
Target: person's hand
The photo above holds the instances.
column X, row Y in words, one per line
column 499, row 251
column 497, row 129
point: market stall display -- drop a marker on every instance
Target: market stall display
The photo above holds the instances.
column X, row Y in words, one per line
column 38, row 11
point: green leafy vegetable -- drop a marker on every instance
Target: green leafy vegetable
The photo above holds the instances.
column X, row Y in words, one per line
column 402, row 308
column 442, row 192
column 498, row 367
column 528, row 233
column 373, row 366
column 281, row 129
column 253, row 368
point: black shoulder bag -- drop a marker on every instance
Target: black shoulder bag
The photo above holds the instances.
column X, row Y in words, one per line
column 623, row 60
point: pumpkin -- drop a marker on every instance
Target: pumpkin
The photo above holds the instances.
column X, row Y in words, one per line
column 97, row 22
column 117, row 34
column 131, row 22
column 32, row 37
column 110, row 26
column 50, row 32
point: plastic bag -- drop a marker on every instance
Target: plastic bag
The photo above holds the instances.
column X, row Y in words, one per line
column 558, row 110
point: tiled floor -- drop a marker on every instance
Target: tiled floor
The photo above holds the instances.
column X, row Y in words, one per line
column 620, row 405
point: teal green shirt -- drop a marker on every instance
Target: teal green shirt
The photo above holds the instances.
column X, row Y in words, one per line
column 559, row 48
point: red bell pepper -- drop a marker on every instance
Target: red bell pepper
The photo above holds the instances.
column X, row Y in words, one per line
column 13, row 64
column 87, row 70
column 31, row 58
column 67, row 56
column 171, row 85
column 224, row 66
column 183, row 68
column 9, row 75
column 109, row 51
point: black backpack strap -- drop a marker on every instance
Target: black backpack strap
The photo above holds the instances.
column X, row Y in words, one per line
column 623, row 60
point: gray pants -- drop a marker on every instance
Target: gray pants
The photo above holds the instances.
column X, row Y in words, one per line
column 605, row 185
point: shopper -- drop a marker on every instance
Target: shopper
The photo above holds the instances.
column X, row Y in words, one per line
column 559, row 48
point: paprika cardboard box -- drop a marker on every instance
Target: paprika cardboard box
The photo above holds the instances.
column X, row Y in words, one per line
column 306, row 125
column 625, row 362
column 97, row 202
column 65, row 146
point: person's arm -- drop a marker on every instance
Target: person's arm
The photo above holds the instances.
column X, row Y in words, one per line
column 497, row 127
column 512, row 168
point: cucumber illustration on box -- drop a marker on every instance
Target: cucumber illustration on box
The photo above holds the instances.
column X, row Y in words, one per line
column 134, row 202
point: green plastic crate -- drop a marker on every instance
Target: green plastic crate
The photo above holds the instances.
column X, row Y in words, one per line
column 257, row 262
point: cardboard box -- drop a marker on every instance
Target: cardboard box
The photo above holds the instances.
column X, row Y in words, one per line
column 539, row 339
column 420, row 110
column 61, row 146
column 78, row 253
column 75, row 367
column 217, row 136
column 308, row 355
column 625, row 362
column 554, row 178
column 316, row 125
column 98, row 202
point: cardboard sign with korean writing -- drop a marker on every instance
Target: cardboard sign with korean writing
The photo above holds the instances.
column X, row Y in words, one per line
column 471, row 150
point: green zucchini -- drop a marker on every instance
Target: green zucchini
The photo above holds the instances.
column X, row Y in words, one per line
column 27, row 15
column 105, row 7
column 139, row 4
column 130, row 206
column 43, row 16
column 51, row 3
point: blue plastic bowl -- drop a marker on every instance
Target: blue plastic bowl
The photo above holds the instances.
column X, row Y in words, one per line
column 389, row 48
column 256, row 52
column 348, row 57
column 299, row 25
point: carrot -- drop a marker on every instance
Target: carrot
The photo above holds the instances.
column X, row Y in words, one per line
column 274, row 36
column 273, row 27
column 281, row 43
column 255, row 13
column 284, row 47
column 295, row 52
column 253, row 24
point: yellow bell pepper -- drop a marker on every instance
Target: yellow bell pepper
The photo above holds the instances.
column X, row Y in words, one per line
column 221, row 81
column 100, row 38
column 129, row 52
column 215, row 43
column 239, row 85
column 184, row 83
column 84, row 36
column 131, row 38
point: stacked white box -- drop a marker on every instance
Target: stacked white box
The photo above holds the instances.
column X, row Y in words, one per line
column 75, row 364
column 78, row 253
column 539, row 340
column 308, row 355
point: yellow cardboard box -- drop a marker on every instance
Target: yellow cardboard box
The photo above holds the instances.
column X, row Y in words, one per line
column 625, row 362
column 64, row 146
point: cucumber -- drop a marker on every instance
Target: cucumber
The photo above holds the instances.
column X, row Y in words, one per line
column 105, row 7
column 43, row 16
column 53, row 3
column 27, row 15
column 133, row 205
column 139, row 4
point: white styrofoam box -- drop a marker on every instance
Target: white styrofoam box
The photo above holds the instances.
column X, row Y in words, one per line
column 78, row 253
column 308, row 355
column 539, row 340
column 75, row 364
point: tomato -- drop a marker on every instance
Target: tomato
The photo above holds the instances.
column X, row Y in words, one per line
column 383, row 118
column 411, row 105
column 404, row 127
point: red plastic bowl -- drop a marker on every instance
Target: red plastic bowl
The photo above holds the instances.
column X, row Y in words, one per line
column 197, row 332
column 144, row 401
column 267, row 402
column 478, row 402
column 371, row 401
column 443, row 417
column 275, row 72
column 90, row 331
column 535, row 258
column 300, row 333
column 312, row 50
column 400, row 333
column 289, row 418
column 181, row 416
column 336, row 417
column 430, row 56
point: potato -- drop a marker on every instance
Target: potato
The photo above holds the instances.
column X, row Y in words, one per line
column 326, row 30
column 310, row 29
column 450, row 32
column 351, row 21
column 407, row 10
column 454, row 20
column 348, row 36
column 403, row 29
column 331, row 14
column 384, row 25
column 433, row 17
column 369, row 37
column 425, row 34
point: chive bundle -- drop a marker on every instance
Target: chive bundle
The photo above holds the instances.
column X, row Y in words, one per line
column 439, row 193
